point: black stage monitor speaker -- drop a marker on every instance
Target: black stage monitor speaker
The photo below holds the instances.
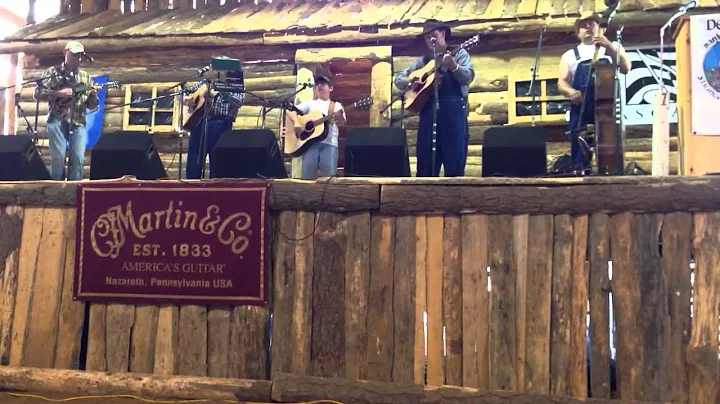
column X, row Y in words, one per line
column 126, row 153
column 377, row 152
column 514, row 151
column 20, row 161
column 247, row 153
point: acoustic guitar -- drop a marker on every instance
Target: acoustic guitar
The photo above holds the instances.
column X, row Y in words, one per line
column 193, row 113
column 310, row 128
column 423, row 88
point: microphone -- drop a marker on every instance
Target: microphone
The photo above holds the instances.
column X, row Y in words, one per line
column 308, row 85
column 433, row 40
column 204, row 69
column 88, row 57
column 688, row 6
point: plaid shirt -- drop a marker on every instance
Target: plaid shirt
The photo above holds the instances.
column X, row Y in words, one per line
column 225, row 104
column 56, row 78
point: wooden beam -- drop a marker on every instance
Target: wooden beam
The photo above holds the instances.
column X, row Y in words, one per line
column 10, row 107
column 656, row 197
column 122, row 44
column 380, row 91
column 296, row 388
column 75, row 7
column 375, row 53
column 73, row 382
column 31, row 12
column 304, row 75
column 285, row 195
column 94, row 6
column 142, row 5
column 4, row 97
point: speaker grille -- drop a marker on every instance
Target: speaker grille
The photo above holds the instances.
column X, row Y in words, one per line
column 126, row 153
column 377, row 152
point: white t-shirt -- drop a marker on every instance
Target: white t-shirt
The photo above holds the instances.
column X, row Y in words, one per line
column 586, row 53
column 323, row 106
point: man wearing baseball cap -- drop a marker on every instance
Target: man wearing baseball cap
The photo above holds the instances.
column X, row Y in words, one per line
column 322, row 157
column 575, row 66
column 67, row 111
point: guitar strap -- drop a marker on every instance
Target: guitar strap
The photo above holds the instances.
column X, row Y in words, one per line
column 331, row 108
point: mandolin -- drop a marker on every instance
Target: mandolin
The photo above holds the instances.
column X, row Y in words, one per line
column 62, row 103
column 310, row 128
column 422, row 89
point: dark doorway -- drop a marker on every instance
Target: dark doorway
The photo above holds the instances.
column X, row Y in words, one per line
column 351, row 82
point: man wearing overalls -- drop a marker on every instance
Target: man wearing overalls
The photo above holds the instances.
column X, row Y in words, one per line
column 452, row 126
column 575, row 66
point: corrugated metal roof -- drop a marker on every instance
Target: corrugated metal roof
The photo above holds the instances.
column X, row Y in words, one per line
column 281, row 17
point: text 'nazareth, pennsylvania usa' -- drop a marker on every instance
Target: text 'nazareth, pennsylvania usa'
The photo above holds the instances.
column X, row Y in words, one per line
column 173, row 243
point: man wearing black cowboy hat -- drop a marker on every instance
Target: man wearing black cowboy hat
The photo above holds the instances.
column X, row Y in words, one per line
column 575, row 65
column 456, row 74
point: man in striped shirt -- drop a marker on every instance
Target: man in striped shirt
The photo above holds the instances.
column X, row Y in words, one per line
column 223, row 112
column 67, row 111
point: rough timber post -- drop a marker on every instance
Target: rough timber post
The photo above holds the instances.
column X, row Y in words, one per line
column 304, row 75
column 381, row 92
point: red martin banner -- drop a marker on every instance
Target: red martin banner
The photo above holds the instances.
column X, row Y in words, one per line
column 173, row 242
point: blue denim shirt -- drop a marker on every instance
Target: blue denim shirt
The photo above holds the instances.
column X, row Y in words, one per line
column 465, row 73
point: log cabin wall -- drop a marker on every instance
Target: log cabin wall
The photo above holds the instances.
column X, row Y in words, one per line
column 146, row 74
column 503, row 269
column 281, row 28
column 491, row 100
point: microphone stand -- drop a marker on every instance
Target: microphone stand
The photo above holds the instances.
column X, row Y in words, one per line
column 180, row 129
column 618, row 108
column 284, row 105
column 663, row 90
column 436, row 108
column 667, row 25
column 534, row 72
column 31, row 131
column 401, row 98
column 154, row 101
column 204, row 137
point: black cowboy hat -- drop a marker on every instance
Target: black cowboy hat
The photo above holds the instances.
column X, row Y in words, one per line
column 432, row 24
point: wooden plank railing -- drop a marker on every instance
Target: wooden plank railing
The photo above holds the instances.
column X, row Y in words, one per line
column 505, row 271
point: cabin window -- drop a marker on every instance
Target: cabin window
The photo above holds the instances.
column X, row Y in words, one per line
column 549, row 106
column 159, row 115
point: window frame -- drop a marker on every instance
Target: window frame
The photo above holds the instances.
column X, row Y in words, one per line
column 153, row 89
column 542, row 99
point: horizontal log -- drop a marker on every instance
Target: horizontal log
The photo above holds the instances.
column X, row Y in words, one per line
column 74, row 382
column 412, row 122
column 297, row 388
column 472, row 151
column 27, row 99
column 670, row 196
column 285, row 195
column 112, row 120
column 315, row 55
column 490, row 72
column 127, row 44
column 122, row 72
